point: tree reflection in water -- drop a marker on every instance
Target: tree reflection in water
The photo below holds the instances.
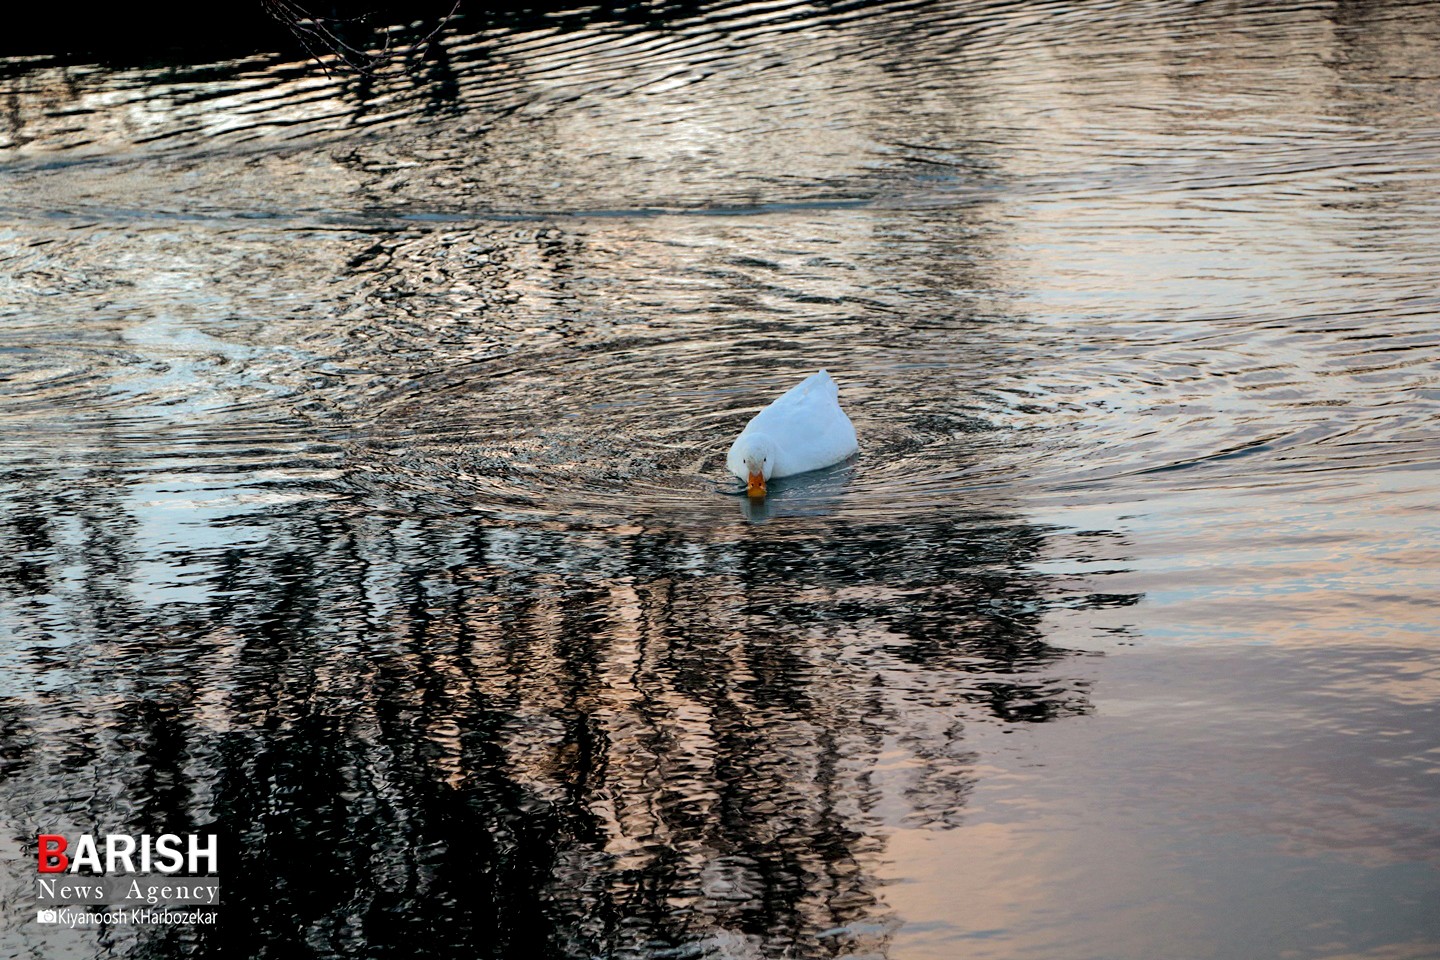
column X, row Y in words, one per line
column 480, row 738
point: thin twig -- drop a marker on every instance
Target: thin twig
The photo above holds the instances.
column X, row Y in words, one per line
column 320, row 41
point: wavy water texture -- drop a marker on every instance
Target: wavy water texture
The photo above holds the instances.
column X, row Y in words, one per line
column 363, row 482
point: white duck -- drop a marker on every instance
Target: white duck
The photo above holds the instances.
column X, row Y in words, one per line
column 803, row 430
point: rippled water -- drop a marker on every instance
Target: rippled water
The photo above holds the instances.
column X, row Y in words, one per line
column 364, row 498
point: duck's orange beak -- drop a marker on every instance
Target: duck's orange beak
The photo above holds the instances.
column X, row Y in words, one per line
column 756, row 486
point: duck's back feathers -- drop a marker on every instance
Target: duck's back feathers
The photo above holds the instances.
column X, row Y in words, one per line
column 805, row 426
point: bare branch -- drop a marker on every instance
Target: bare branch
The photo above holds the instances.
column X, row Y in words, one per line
column 318, row 36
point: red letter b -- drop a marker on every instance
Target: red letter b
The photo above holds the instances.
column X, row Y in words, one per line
column 52, row 847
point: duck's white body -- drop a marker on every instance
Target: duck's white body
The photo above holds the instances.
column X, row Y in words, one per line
column 803, row 430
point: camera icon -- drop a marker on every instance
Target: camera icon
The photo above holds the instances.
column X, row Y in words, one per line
column 47, row 916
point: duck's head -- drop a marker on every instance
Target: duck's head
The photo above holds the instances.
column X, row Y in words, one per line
column 757, row 456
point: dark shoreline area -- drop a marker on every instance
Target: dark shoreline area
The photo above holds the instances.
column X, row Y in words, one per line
column 173, row 32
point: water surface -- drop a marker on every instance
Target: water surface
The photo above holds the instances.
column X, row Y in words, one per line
column 364, row 498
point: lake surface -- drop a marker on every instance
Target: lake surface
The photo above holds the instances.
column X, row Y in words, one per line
column 362, row 491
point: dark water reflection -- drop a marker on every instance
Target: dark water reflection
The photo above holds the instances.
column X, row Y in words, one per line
column 523, row 740
column 362, row 493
